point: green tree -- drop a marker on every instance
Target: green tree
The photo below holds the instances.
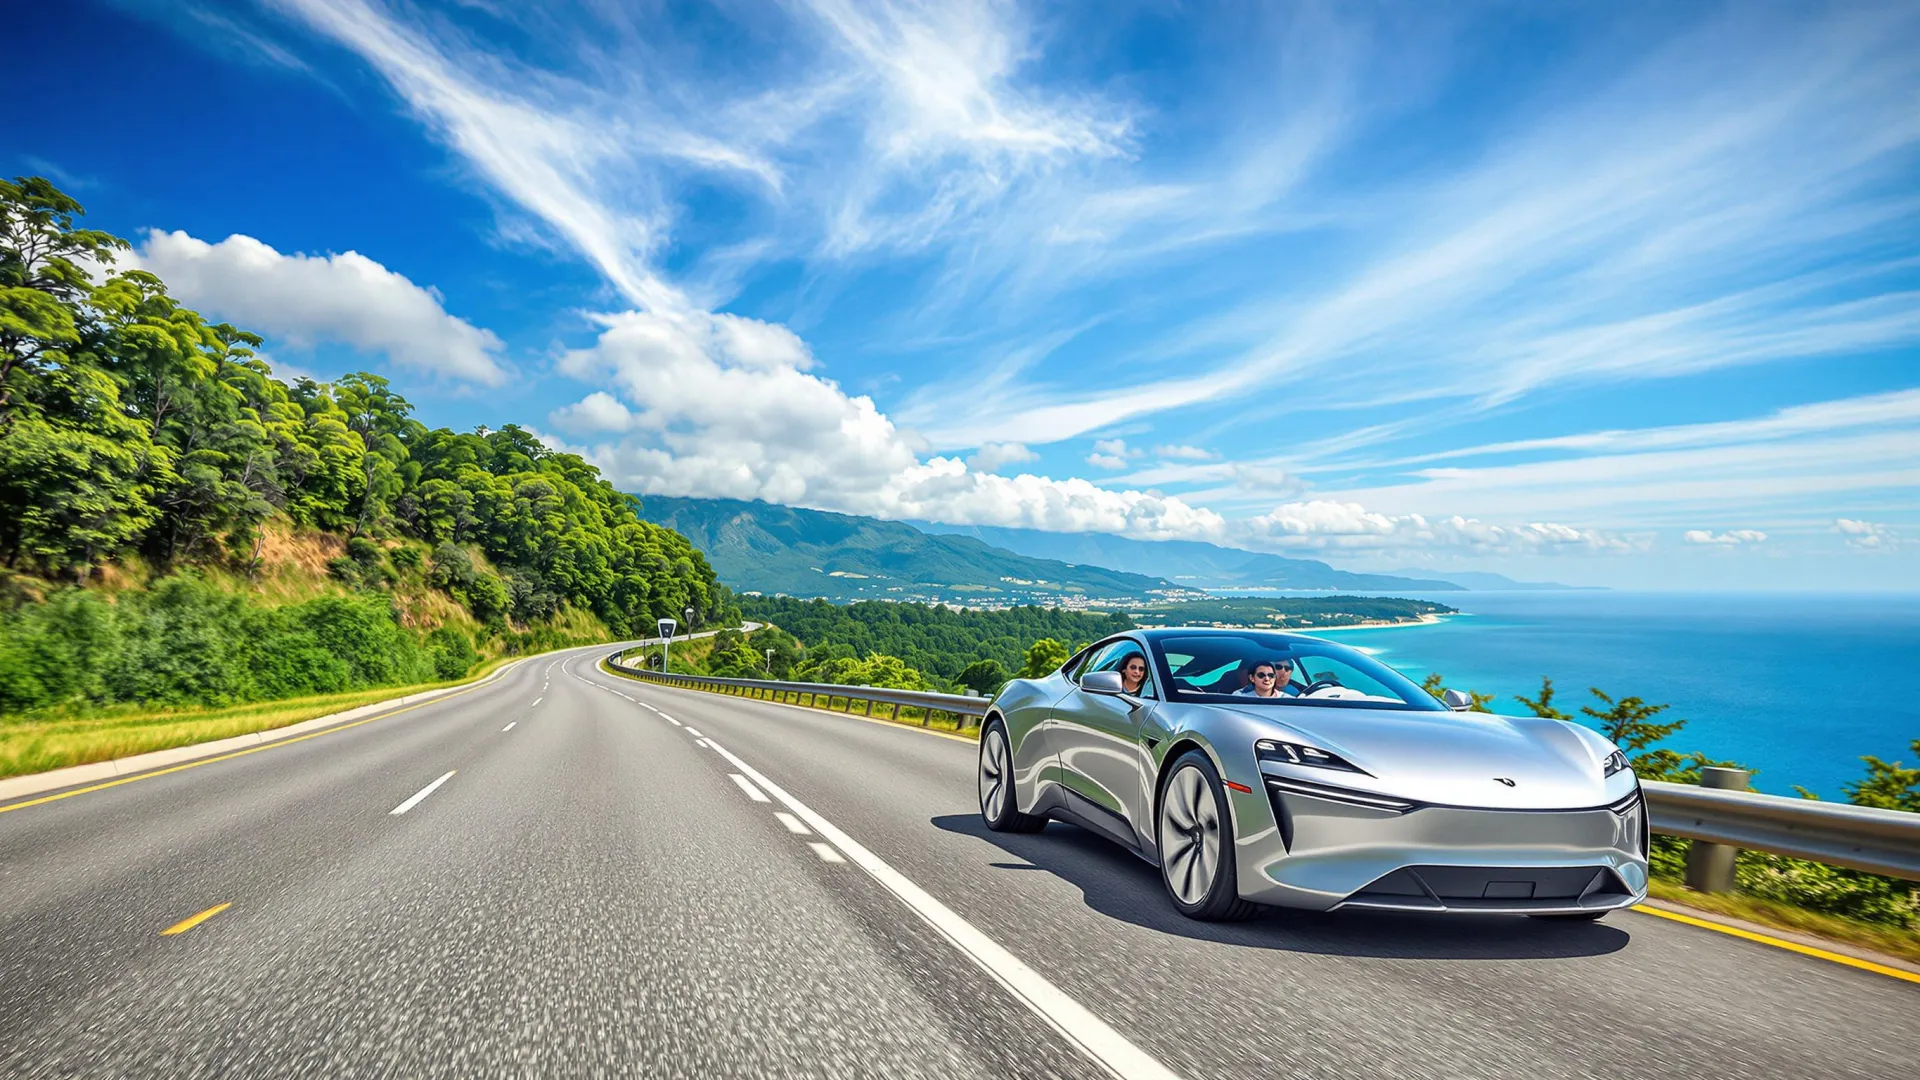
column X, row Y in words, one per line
column 1043, row 658
column 985, row 676
column 1888, row 785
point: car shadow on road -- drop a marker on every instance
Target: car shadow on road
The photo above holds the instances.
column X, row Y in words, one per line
column 1118, row 884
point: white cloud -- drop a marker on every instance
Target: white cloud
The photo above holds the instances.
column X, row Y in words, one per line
column 1112, row 447
column 1106, row 461
column 992, row 457
column 304, row 300
column 1184, row 453
column 1327, row 523
column 594, row 414
column 1866, row 535
column 1730, row 538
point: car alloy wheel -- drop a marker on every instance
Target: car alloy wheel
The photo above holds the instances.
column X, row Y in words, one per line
column 1195, row 837
column 995, row 773
column 1190, row 836
column 999, row 802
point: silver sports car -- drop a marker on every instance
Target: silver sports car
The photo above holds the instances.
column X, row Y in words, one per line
column 1267, row 768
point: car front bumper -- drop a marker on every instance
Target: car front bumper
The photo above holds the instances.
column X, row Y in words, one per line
column 1326, row 849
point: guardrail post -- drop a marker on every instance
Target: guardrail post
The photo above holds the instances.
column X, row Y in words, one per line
column 1710, row 866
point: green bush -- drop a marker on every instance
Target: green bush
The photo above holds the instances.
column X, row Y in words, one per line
column 452, row 652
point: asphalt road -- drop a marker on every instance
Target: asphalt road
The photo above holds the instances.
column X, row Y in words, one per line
column 600, row 889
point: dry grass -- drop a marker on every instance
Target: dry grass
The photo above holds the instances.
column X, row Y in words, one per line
column 38, row 744
column 1904, row 944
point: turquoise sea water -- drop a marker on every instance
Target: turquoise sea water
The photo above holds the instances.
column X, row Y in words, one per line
column 1795, row 686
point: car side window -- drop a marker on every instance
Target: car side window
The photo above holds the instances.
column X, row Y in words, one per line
column 1096, row 660
column 1118, row 653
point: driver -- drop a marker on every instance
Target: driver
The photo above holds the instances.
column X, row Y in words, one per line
column 1269, row 678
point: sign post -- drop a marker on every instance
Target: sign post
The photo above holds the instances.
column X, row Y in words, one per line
column 666, row 627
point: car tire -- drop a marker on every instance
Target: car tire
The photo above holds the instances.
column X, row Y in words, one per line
column 1574, row 916
column 1194, row 832
column 999, row 802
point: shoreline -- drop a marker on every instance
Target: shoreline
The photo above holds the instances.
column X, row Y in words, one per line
column 1424, row 620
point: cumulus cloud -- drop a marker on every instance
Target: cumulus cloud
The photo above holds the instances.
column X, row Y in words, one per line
column 597, row 412
column 1730, row 538
column 305, row 300
column 992, row 457
column 1866, row 535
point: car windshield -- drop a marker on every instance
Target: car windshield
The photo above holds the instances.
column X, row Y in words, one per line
column 1280, row 669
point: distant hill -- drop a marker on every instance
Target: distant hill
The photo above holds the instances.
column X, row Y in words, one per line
column 760, row 547
column 1485, row 582
column 1189, row 563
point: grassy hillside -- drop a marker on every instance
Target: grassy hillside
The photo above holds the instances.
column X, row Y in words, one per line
column 759, row 547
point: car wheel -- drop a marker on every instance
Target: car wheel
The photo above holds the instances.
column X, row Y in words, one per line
column 999, row 805
column 1195, row 836
column 1574, row 916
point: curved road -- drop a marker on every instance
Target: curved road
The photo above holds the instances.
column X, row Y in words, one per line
column 623, row 879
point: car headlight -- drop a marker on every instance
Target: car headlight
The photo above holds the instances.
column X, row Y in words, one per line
column 1616, row 762
column 1293, row 753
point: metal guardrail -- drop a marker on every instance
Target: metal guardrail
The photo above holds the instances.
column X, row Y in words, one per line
column 966, row 710
column 1838, row 834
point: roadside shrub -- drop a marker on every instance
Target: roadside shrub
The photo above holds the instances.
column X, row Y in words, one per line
column 452, row 652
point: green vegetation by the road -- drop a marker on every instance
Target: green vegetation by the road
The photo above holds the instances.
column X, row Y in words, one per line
column 178, row 527
column 41, row 742
column 918, row 646
column 1783, row 915
column 1288, row 612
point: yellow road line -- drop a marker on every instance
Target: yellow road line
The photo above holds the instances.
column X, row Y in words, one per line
column 1779, row 943
column 192, row 921
column 227, row 757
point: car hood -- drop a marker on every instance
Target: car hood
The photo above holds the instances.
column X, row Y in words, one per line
column 1453, row 759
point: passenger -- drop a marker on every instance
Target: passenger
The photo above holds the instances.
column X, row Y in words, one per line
column 1133, row 673
column 1269, row 679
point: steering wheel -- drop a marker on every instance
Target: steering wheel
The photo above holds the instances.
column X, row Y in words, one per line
column 1321, row 683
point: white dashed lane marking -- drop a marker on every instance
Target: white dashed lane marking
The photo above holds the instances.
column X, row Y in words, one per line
column 826, row 852
column 793, row 824
column 422, row 793
column 746, row 785
column 695, row 734
column 509, row 727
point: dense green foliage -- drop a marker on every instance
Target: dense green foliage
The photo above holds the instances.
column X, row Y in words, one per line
column 775, row 550
column 188, row 642
column 1283, row 612
column 939, row 642
column 131, row 428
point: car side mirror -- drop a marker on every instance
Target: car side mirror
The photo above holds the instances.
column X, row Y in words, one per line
column 1457, row 701
column 1102, row 682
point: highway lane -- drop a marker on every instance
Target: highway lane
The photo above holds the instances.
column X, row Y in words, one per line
column 1292, row 994
column 588, row 893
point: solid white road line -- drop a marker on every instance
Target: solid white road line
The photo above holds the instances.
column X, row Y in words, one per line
column 826, row 852
column 695, row 734
column 422, row 793
column 1074, row 1021
column 793, row 824
column 509, row 727
column 703, row 743
column 746, row 785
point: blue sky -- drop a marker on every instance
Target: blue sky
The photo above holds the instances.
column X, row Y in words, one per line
column 1622, row 294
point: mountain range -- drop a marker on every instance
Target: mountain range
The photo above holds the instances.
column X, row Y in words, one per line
column 766, row 548
column 1191, row 564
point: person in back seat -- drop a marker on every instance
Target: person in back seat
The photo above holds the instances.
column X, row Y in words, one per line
column 1269, row 678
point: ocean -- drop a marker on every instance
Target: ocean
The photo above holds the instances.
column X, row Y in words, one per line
column 1794, row 686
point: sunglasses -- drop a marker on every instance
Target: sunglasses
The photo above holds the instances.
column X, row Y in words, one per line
column 1263, row 675
column 1135, row 666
